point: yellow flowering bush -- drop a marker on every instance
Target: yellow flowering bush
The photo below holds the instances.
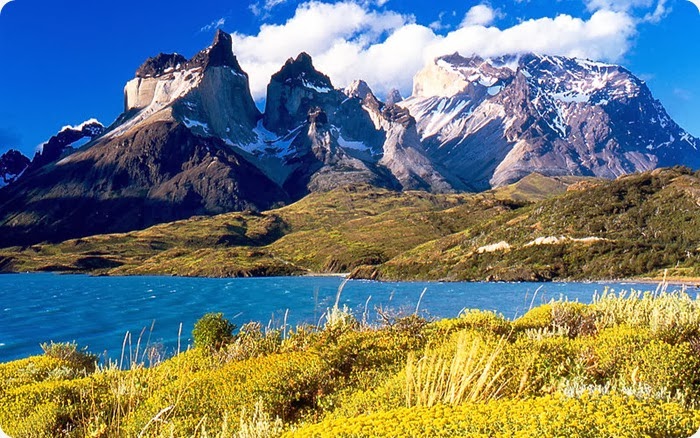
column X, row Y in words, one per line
column 286, row 384
column 545, row 417
column 486, row 321
column 30, row 370
column 624, row 366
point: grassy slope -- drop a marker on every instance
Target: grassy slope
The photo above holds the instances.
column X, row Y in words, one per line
column 645, row 223
column 329, row 232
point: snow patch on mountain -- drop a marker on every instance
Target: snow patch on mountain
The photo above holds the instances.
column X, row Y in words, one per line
column 317, row 88
column 269, row 144
column 348, row 144
column 93, row 126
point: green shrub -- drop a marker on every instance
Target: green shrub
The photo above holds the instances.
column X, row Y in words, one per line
column 25, row 371
column 668, row 371
column 212, row 331
column 537, row 318
column 609, row 353
column 536, row 366
column 47, row 409
column 71, row 353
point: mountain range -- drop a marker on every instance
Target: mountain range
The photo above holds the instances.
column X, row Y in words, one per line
column 191, row 140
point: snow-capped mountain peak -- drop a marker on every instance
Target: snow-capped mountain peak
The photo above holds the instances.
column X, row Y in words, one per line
column 497, row 120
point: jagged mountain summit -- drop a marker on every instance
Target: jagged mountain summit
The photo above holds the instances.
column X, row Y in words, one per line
column 12, row 164
column 191, row 140
column 168, row 156
column 494, row 121
column 333, row 137
column 64, row 142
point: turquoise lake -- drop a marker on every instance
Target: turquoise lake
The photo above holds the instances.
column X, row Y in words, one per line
column 97, row 312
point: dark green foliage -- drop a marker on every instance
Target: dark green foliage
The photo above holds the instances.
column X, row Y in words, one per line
column 637, row 225
column 212, row 331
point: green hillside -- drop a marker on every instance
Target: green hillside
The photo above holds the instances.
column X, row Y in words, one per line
column 537, row 229
column 638, row 225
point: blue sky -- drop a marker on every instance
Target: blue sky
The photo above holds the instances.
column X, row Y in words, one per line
column 65, row 62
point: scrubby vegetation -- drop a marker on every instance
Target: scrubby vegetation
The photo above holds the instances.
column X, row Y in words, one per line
column 537, row 229
column 636, row 226
column 625, row 366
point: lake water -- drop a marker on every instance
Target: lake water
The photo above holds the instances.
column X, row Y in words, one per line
column 97, row 312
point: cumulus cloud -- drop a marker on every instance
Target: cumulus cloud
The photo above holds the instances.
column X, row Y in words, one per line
column 350, row 40
column 479, row 15
column 336, row 35
column 606, row 36
column 652, row 10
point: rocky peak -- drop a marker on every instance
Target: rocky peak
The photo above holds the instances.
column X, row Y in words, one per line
column 54, row 149
column 294, row 90
column 160, row 64
column 12, row 164
column 219, row 54
column 301, row 71
column 396, row 114
column 317, row 116
column 358, row 89
column 393, row 97
column 537, row 113
column 454, row 74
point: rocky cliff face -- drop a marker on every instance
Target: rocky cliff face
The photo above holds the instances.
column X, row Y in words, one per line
column 406, row 159
column 210, row 94
column 62, row 143
column 169, row 156
column 495, row 121
column 192, row 142
column 12, row 165
column 354, row 139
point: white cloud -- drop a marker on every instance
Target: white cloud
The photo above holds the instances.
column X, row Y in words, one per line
column 3, row 3
column 333, row 32
column 216, row 24
column 605, row 36
column 479, row 15
column 263, row 8
column 349, row 41
column 651, row 10
column 696, row 3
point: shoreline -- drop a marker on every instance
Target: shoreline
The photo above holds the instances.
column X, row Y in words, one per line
column 675, row 281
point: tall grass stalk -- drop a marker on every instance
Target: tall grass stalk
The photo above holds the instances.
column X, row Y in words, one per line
column 469, row 374
column 260, row 425
column 670, row 314
column 420, row 299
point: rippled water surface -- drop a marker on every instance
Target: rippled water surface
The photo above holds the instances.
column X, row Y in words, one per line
column 99, row 311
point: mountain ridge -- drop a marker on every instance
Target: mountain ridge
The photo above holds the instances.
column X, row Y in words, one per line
column 471, row 124
column 542, row 228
